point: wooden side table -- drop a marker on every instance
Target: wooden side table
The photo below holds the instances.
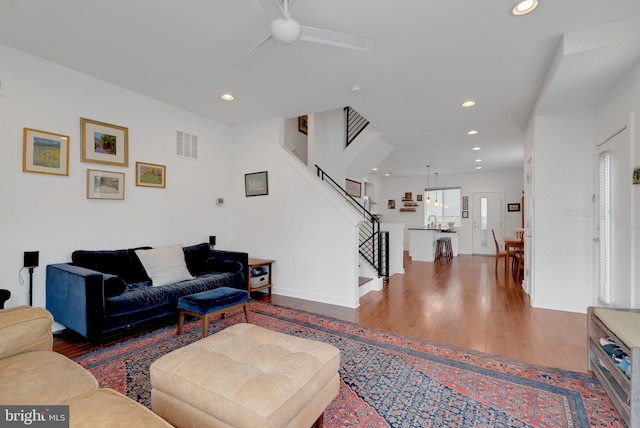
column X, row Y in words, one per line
column 259, row 275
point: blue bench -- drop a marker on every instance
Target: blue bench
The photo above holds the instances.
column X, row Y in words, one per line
column 211, row 302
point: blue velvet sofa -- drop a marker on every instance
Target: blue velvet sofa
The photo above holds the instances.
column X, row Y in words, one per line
column 101, row 293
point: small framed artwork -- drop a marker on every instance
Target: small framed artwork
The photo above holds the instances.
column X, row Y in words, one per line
column 151, row 175
column 513, row 207
column 465, row 199
column 419, row 198
column 408, row 196
column 256, row 184
column 353, row 188
column 465, row 214
column 45, row 152
column 465, row 206
column 391, row 204
column 103, row 143
column 303, row 124
column 105, row 184
column 636, row 176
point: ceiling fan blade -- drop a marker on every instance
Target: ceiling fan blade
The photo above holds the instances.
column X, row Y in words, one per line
column 333, row 38
column 273, row 9
column 246, row 61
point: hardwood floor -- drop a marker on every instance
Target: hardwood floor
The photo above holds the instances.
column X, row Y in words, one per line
column 463, row 303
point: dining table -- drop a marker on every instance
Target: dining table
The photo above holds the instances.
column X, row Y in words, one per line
column 515, row 244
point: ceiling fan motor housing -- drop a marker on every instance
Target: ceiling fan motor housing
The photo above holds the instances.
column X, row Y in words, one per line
column 285, row 31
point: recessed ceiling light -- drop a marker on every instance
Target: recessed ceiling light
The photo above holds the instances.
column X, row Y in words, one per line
column 475, row 149
column 472, row 132
column 478, row 167
column 425, row 132
column 478, row 160
column 524, row 7
column 387, row 174
column 374, row 169
column 227, row 97
column 468, row 103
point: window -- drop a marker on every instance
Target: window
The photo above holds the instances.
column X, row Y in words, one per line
column 446, row 211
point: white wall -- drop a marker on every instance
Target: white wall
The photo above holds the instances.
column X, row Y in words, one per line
column 564, row 178
column 51, row 214
column 301, row 224
column 294, row 140
column 509, row 182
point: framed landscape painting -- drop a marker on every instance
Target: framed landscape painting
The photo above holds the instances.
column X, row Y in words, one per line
column 103, row 143
column 256, row 184
column 151, row 175
column 45, row 152
column 105, row 184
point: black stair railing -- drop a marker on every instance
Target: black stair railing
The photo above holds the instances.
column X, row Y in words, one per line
column 373, row 244
column 355, row 124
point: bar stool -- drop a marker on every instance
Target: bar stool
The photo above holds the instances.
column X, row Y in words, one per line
column 444, row 251
column 4, row 296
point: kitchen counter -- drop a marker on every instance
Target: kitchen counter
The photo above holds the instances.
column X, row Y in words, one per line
column 422, row 242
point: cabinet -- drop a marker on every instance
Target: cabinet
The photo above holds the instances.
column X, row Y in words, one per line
column 623, row 391
column 259, row 274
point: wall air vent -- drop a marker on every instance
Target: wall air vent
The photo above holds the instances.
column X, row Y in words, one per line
column 186, row 145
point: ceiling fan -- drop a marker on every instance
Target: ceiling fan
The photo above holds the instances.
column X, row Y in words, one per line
column 285, row 30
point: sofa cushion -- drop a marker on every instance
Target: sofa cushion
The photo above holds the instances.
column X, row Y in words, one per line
column 196, row 257
column 123, row 263
column 106, row 408
column 23, row 379
column 164, row 265
column 113, row 285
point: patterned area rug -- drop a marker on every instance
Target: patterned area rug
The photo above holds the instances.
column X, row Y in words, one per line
column 388, row 380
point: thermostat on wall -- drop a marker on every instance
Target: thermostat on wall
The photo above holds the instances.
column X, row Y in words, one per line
column 219, row 201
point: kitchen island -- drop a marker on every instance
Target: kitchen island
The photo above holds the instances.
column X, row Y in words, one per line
column 422, row 243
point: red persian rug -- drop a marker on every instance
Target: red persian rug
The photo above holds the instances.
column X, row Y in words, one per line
column 389, row 380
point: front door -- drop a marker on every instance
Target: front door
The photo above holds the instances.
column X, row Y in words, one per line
column 486, row 214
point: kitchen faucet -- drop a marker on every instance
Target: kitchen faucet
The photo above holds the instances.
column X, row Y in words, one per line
column 433, row 223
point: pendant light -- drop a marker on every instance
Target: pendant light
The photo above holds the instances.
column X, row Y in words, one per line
column 428, row 174
column 436, row 202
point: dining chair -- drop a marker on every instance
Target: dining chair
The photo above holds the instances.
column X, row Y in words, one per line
column 500, row 254
column 520, row 233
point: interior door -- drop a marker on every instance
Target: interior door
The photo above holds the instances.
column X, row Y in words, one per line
column 613, row 221
column 486, row 214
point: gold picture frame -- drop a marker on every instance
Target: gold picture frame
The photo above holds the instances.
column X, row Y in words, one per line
column 303, row 124
column 105, row 184
column 151, row 175
column 45, row 152
column 103, row 143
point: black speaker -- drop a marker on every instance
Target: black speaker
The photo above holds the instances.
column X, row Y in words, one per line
column 31, row 259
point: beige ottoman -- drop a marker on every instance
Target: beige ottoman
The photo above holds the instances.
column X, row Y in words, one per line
column 246, row 376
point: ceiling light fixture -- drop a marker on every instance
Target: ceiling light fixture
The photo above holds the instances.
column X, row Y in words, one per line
column 472, row 132
column 436, row 202
column 387, row 174
column 478, row 160
column 468, row 103
column 355, row 89
column 428, row 175
column 525, row 6
column 478, row 167
column 475, row 149
column 374, row 169
column 227, row 97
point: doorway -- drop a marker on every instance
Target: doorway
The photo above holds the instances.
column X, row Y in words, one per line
column 486, row 214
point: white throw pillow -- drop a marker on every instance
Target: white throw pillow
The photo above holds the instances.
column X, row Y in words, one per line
column 164, row 265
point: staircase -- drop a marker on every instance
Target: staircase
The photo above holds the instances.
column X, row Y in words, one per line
column 356, row 123
column 373, row 244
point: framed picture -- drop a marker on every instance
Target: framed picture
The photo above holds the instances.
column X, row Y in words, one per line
column 353, row 188
column 256, row 184
column 513, row 207
column 465, row 206
column 391, row 204
column 105, row 184
column 419, row 198
column 465, row 199
column 636, row 176
column 45, row 152
column 303, row 124
column 465, row 214
column 103, row 143
column 151, row 175
column 408, row 196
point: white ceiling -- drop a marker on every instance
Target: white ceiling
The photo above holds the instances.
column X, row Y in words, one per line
column 428, row 57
